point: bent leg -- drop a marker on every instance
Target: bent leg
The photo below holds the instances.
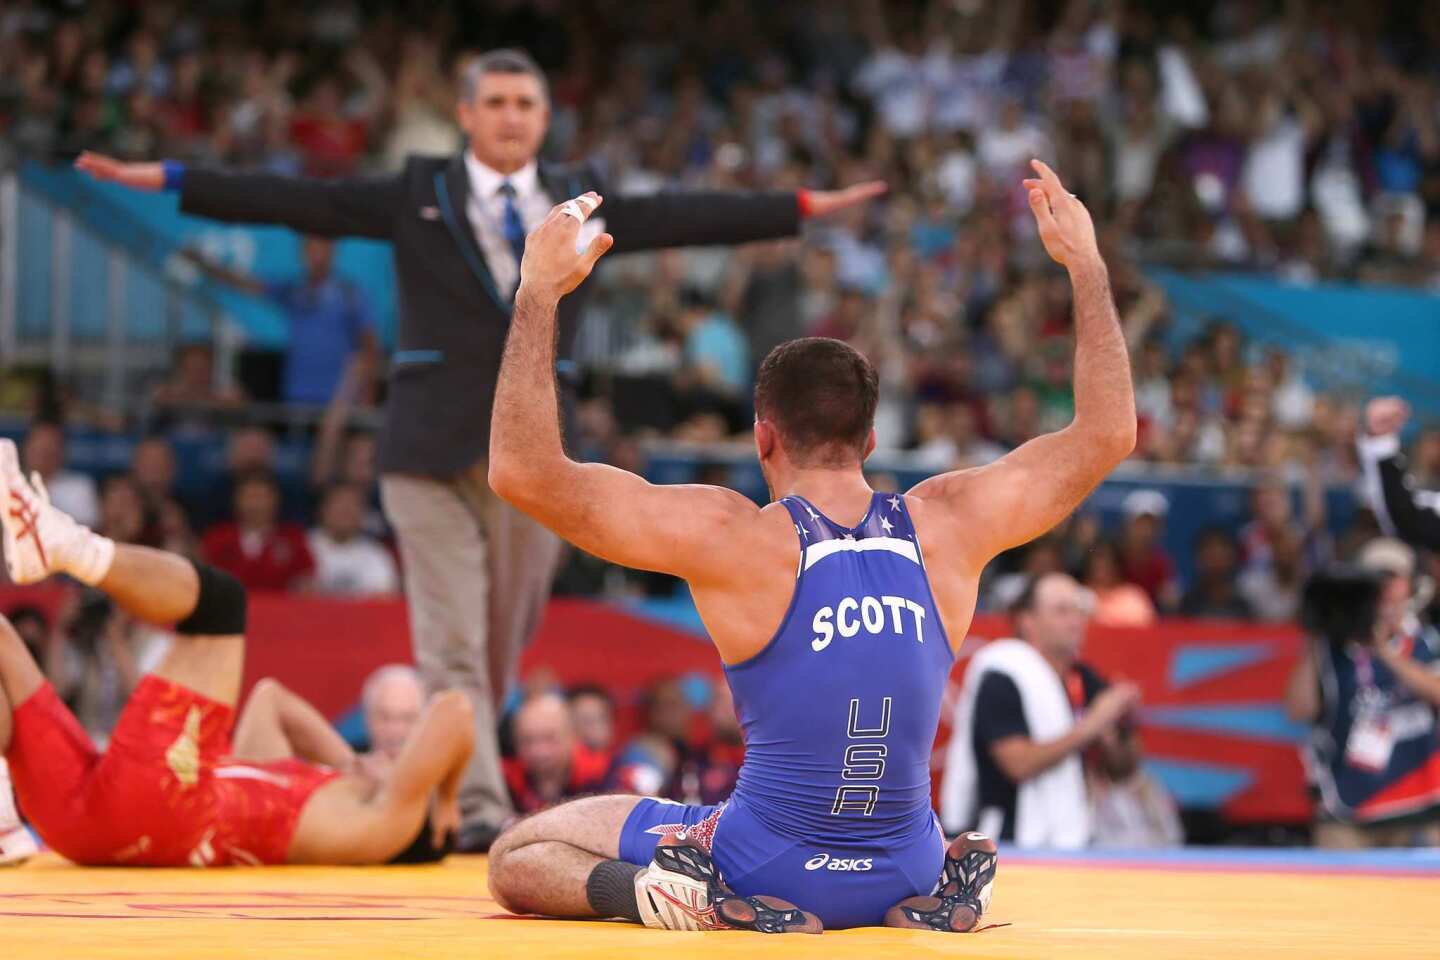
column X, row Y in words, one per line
column 276, row 724
column 152, row 585
column 49, row 755
column 542, row 864
column 20, row 677
column 163, row 588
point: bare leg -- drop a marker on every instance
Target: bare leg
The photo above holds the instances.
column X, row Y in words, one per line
column 20, row 677
column 7, row 721
column 344, row 824
column 151, row 585
column 542, row 864
column 163, row 588
column 276, row 724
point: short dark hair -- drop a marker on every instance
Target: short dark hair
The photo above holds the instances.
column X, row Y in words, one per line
column 590, row 690
column 821, row 395
column 1215, row 534
column 257, row 477
column 505, row 60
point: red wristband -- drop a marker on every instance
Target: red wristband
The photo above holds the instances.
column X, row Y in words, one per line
column 802, row 200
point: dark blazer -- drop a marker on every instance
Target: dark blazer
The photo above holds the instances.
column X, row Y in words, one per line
column 452, row 319
column 1404, row 511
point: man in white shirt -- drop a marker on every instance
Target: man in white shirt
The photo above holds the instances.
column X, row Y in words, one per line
column 347, row 561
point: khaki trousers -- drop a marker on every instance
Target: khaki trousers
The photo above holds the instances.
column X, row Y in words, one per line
column 477, row 578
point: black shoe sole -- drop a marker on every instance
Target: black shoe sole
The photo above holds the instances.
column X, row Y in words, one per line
column 761, row 914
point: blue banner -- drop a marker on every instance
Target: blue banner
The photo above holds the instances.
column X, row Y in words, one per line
column 1362, row 340
column 150, row 226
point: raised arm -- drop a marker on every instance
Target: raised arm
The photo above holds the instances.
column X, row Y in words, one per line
column 691, row 219
column 992, row 508
column 350, row 207
column 1404, row 512
column 618, row 516
column 220, row 273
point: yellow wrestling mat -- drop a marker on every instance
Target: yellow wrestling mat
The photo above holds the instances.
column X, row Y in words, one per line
column 1183, row 906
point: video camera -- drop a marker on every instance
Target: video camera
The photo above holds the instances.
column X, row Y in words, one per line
column 1341, row 603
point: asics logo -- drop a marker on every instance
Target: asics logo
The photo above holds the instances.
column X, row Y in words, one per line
column 840, row 864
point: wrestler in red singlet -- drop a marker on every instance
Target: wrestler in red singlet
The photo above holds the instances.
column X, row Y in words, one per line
column 164, row 794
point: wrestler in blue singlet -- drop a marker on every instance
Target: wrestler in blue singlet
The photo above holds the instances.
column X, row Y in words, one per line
column 832, row 810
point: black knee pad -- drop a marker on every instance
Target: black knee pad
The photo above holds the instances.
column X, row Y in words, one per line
column 220, row 608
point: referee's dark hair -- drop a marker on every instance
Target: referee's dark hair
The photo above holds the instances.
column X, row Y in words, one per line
column 505, row 60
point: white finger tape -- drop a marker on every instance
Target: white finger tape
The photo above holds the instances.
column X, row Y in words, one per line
column 572, row 209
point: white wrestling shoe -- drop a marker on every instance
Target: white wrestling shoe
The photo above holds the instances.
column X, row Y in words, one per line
column 670, row 900
column 16, row 847
column 16, row 844
column 682, row 890
column 40, row 539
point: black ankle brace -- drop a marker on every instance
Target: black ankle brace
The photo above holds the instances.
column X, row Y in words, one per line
column 220, row 607
column 611, row 889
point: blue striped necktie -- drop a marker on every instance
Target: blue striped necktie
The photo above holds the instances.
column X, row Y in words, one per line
column 514, row 228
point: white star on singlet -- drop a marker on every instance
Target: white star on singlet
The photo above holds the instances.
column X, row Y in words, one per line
column 894, row 503
column 849, row 536
column 813, row 514
column 886, row 525
column 802, row 531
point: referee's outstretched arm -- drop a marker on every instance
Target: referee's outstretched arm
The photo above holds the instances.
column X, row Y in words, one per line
column 1403, row 511
column 344, row 207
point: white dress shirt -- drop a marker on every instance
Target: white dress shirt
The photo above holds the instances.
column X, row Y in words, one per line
column 486, row 210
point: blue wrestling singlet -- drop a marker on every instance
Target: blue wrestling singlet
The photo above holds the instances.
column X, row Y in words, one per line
column 832, row 810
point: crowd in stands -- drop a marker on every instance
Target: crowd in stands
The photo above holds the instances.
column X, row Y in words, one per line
column 686, row 743
column 1180, row 132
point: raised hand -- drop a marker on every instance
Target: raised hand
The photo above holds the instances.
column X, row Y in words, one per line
column 1385, row 415
column 824, row 202
column 136, row 176
column 551, row 264
column 1065, row 225
column 1111, row 704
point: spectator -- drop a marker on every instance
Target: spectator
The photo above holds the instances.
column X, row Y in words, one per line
column 348, row 562
column 259, row 550
column 44, row 453
column 1145, row 562
column 653, row 762
column 1118, row 603
column 190, row 390
column 592, row 713
column 549, row 765
column 1216, row 595
column 391, row 699
column 1365, row 680
column 122, row 512
column 1028, row 711
column 1273, row 593
column 152, row 470
column 328, row 318
column 717, row 764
